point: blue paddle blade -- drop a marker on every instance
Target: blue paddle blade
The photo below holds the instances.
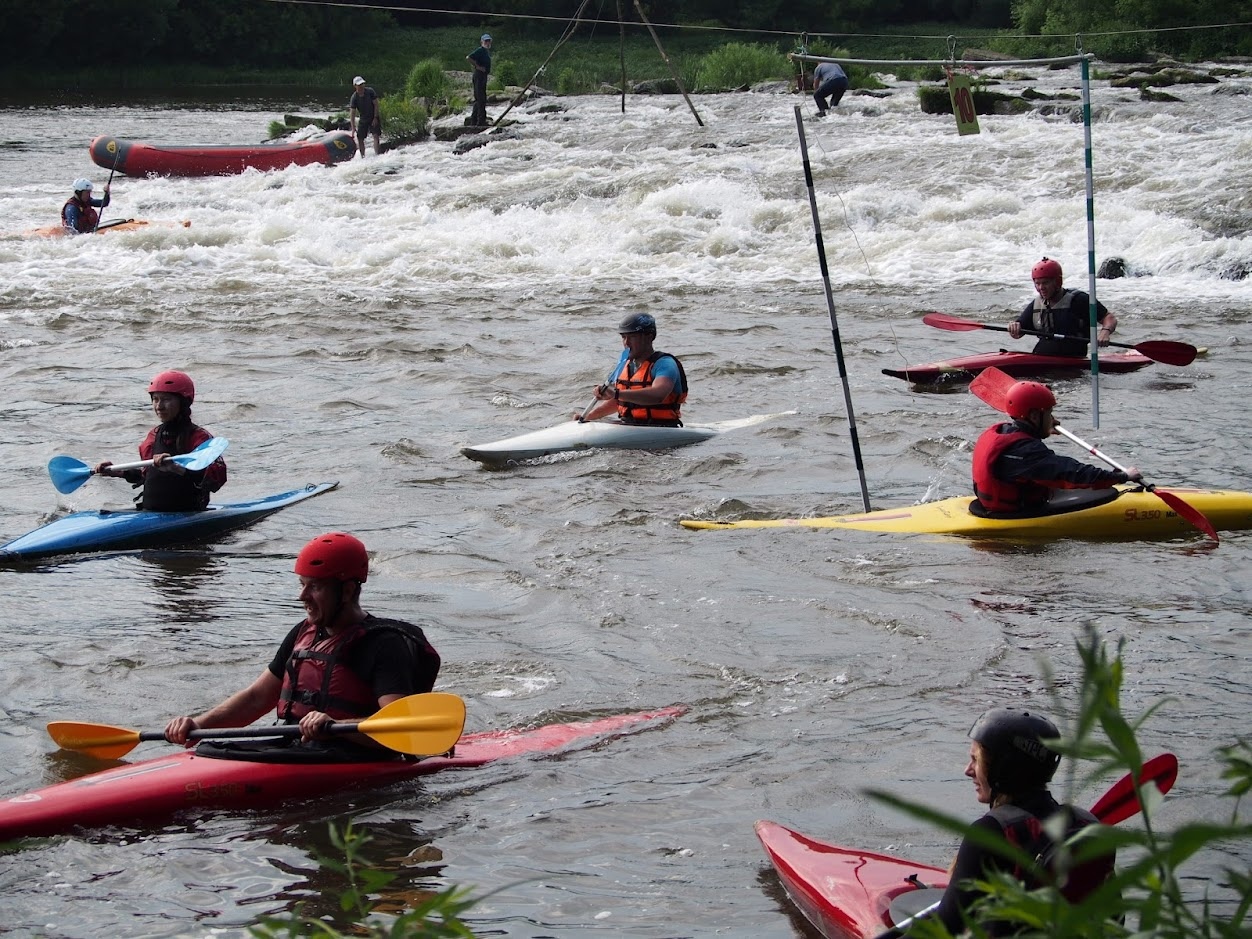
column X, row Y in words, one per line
column 203, row 455
column 68, row 473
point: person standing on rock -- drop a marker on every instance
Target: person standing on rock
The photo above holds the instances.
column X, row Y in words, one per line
column 364, row 115
column 480, row 58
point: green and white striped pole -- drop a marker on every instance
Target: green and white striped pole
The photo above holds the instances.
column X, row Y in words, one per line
column 1091, row 262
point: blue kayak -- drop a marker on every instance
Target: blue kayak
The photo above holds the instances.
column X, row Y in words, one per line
column 130, row 528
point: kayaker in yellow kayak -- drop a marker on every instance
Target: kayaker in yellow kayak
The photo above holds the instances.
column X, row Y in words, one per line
column 1011, row 764
column 339, row 663
column 79, row 214
column 1015, row 471
column 168, row 486
column 1059, row 312
column 646, row 386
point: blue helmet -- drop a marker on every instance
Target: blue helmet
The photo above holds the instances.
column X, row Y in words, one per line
column 638, row 323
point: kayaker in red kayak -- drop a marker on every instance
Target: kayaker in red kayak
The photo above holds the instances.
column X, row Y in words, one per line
column 168, row 486
column 1015, row 471
column 646, row 386
column 1011, row 765
column 339, row 663
column 79, row 214
column 1060, row 312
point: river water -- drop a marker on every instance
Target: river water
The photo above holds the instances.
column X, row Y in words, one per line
column 363, row 323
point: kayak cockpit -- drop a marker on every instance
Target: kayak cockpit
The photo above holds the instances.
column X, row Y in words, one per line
column 1062, row 502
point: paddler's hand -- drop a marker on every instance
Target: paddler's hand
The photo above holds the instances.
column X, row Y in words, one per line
column 604, row 392
column 177, row 729
column 312, row 725
column 103, row 469
column 1015, row 329
column 165, row 463
column 1134, row 474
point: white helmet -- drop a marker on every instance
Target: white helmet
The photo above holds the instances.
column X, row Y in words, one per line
column 82, row 184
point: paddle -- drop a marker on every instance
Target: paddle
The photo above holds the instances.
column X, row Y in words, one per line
column 993, row 385
column 420, row 725
column 68, row 473
column 1118, row 804
column 113, row 224
column 117, row 152
column 1159, row 350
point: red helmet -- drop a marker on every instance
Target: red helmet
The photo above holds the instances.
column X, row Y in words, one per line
column 1027, row 396
column 178, row 383
column 1047, row 269
column 334, row 555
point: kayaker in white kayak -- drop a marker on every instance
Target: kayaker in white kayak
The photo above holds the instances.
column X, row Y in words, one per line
column 79, row 214
column 1060, row 312
column 168, row 486
column 1015, row 471
column 339, row 663
column 1011, row 764
column 646, row 386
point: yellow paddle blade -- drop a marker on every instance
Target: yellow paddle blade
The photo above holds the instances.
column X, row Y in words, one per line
column 421, row 724
column 100, row 740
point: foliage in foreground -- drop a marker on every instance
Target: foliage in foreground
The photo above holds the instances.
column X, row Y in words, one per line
column 1144, row 899
column 438, row 917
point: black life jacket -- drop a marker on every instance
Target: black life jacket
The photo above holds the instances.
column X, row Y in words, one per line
column 1026, row 831
column 173, row 492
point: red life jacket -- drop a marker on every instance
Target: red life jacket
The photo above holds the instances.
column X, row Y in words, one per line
column 88, row 217
column 1026, row 832
column 667, row 410
column 316, row 679
column 999, row 495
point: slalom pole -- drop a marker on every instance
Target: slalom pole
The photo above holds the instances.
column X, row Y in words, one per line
column 830, row 305
column 1091, row 263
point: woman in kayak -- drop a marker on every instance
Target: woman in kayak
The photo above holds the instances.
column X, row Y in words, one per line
column 339, row 663
column 1011, row 764
column 79, row 214
column 168, row 486
column 1057, row 313
column 1015, row 471
column 645, row 386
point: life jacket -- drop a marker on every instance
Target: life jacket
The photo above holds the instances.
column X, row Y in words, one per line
column 999, row 495
column 317, row 680
column 1026, row 832
column 667, row 411
column 88, row 217
column 174, row 492
column 1060, row 318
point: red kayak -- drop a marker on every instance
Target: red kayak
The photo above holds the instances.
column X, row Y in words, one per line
column 137, row 158
column 1017, row 364
column 847, row 893
column 153, row 790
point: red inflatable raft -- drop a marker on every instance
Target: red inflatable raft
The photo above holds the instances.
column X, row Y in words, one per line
column 137, row 158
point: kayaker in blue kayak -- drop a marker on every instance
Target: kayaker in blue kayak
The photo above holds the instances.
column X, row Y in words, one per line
column 646, row 386
column 1011, row 764
column 168, row 486
column 79, row 214
column 339, row 663
column 1059, row 312
column 1015, row 471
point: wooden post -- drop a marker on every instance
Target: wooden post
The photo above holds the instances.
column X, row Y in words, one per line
column 673, row 72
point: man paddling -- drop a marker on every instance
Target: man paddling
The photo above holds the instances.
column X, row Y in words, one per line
column 79, row 214
column 168, row 486
column 339, row 663
column 646, row 386
column 1060, row 312
column 1015, row 471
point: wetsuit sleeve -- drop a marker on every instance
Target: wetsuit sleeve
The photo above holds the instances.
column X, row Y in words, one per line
column 72, row 214
column 1033, row 461
column 972, row 862
column 278, row 666
column 1027, row 318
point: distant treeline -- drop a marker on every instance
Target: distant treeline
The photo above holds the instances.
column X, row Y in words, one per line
column 71, row 34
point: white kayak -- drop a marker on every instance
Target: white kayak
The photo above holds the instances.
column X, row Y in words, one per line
column 607, row 434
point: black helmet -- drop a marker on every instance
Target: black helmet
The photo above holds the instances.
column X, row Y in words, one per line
column 1015, row 744
column 638, row 323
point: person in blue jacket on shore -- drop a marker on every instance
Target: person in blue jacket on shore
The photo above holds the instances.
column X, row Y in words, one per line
column 79, row 214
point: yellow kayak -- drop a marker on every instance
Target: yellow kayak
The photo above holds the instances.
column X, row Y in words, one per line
column 1127, row 514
